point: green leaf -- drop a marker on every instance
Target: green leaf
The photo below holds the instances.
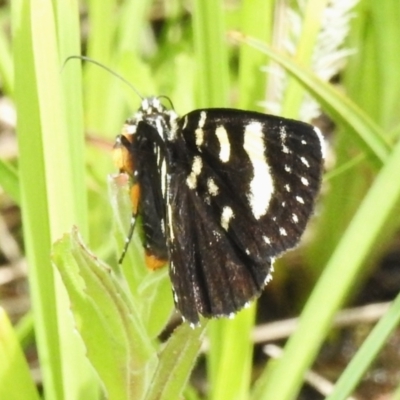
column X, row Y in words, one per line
column 176, row 363
column 15, row 376
column 109, row 324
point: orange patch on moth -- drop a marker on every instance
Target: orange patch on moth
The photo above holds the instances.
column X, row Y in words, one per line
column 135, row 197
column 121, row 155
column 153, row 263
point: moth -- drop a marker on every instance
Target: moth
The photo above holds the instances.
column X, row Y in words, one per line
column 222, row 193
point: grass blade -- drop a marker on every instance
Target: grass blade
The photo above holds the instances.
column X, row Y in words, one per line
column 14, row 370
column 176, row 362
column 357, row 367
column 9, row 180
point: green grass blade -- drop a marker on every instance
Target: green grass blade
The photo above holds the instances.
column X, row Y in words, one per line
column 99, row 47
column 134, row 15
column 382, row 33
column 176, row 362
column 34, row 201
column 17, row 383
column 67, row 16
column 211, row 53
column 232, row 371
column 9, row 181
column 6, row 64
column 359, row 364
column 256, row 21
column 342, row 271
column 25, row 330
column 49, row 192
column 132, row 24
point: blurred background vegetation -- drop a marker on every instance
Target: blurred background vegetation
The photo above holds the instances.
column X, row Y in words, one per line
column 333, row 63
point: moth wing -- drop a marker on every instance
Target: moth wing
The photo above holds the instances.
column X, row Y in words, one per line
column 242, row 188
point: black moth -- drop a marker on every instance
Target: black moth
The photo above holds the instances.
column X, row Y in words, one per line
column 221, row 193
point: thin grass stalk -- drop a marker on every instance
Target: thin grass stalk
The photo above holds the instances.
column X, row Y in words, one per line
column 369, row 350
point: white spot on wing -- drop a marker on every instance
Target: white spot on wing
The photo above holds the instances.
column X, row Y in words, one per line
column 199, row 133
column 305, row 162
column 295, row 218
column 261, row 186
column 197, row 166
column 213, row 189
column 225, row 146
column 203, row 116
column 304, row 181
column 300, row 199
column 266, row 239
column 283, row 134
column 227, row 215
column 282, row 231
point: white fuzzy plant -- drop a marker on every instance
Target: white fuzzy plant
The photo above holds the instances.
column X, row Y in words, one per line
column 329, row 55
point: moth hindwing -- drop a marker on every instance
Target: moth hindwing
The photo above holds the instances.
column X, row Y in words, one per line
column 221, row 193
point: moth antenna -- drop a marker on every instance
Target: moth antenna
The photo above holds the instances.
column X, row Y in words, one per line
column 168, row 99
column 88, row 59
